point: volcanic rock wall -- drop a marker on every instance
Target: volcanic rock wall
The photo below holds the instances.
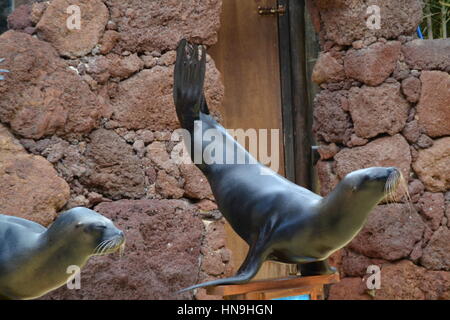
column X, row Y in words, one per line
column 86, row 120
column 385, row 101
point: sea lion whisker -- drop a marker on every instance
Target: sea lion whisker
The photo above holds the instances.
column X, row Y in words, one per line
column 97, row 248
column 107, row 247
column 122, row 249
column 103, row 246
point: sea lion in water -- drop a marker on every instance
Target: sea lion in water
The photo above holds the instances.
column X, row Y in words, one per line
column 34, row 259
column 279, row 220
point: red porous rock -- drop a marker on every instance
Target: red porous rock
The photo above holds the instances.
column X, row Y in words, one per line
column 196, row 185
column 42, row 95
column 328, row 180
column 112, row 168
column 433, row 109
column 436, row 255
column 411, row 88
column 164, row 238
column 406, row 281
column 433, row 166
column 349, row 289
column 383, row 152
column 19, row 19
column 29, row 185
column 347, row 22
column 331, row 122
column 327, row 69
column 145, row 100
column 428, row 54
column 432, row 207
column 374, row 64
column 55, row 26
column 159, row 25
column 390, row 233
column 377, row 110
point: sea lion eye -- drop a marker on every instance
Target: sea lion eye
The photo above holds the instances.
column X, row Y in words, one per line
column 79, row 225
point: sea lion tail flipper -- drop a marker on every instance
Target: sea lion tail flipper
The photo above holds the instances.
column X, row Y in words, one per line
column 247, row 271
column 189, row 78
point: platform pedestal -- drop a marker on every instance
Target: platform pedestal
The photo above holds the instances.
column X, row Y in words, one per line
column 276, row 288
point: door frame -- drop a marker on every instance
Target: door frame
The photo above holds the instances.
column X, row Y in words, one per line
column 296, row 105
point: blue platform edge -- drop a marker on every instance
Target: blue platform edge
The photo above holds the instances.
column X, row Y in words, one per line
column 302, row 297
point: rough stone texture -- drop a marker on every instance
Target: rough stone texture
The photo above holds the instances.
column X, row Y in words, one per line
column 112, row 168
column 355, row 264
column 168, row 186
column 159, row 25
column 327, row 69
column 406, row 281
column 390, row 232
column 436, row 255
column 109, row 40
column 138, row 100
column 433, row 166
column 374, row 64
column 328, row 151
column 428, row 54
column 383, row 152
column 433, row 109
column 196, row 186
column 20, row 18
column 124, row 67
column 345, row 22
column 349, row 289
column 412, row 131
column 37, row 10
column 53, row 28
column 216, row 257
column 416, row 189
column 22, row 177
column 411, row 88
column 42, row 96
column 331, row 122
column 378, row 110
column 328, row 180
column 164, row 239
column 397, row 86
column 432, row 207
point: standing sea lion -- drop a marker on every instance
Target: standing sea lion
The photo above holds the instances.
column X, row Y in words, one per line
column 34, row 259
column 280, row 220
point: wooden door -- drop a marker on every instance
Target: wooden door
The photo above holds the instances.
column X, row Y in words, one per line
column 247, row 54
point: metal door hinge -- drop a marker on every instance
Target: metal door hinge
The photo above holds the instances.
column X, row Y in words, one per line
column 280, row 10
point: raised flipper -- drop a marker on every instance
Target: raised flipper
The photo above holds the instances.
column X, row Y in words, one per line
column 316, row 268
column 189, row 78
column 246, row 272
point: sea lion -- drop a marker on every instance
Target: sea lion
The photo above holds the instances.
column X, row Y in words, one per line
column 34, row 259
column 279, row 220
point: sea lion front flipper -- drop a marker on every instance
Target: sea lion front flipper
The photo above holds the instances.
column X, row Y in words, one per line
column 247, row 271
column 316, row 268
column 189, row 78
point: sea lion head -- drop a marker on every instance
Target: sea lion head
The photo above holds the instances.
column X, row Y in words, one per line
column 372, row 184
column 89, row 231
